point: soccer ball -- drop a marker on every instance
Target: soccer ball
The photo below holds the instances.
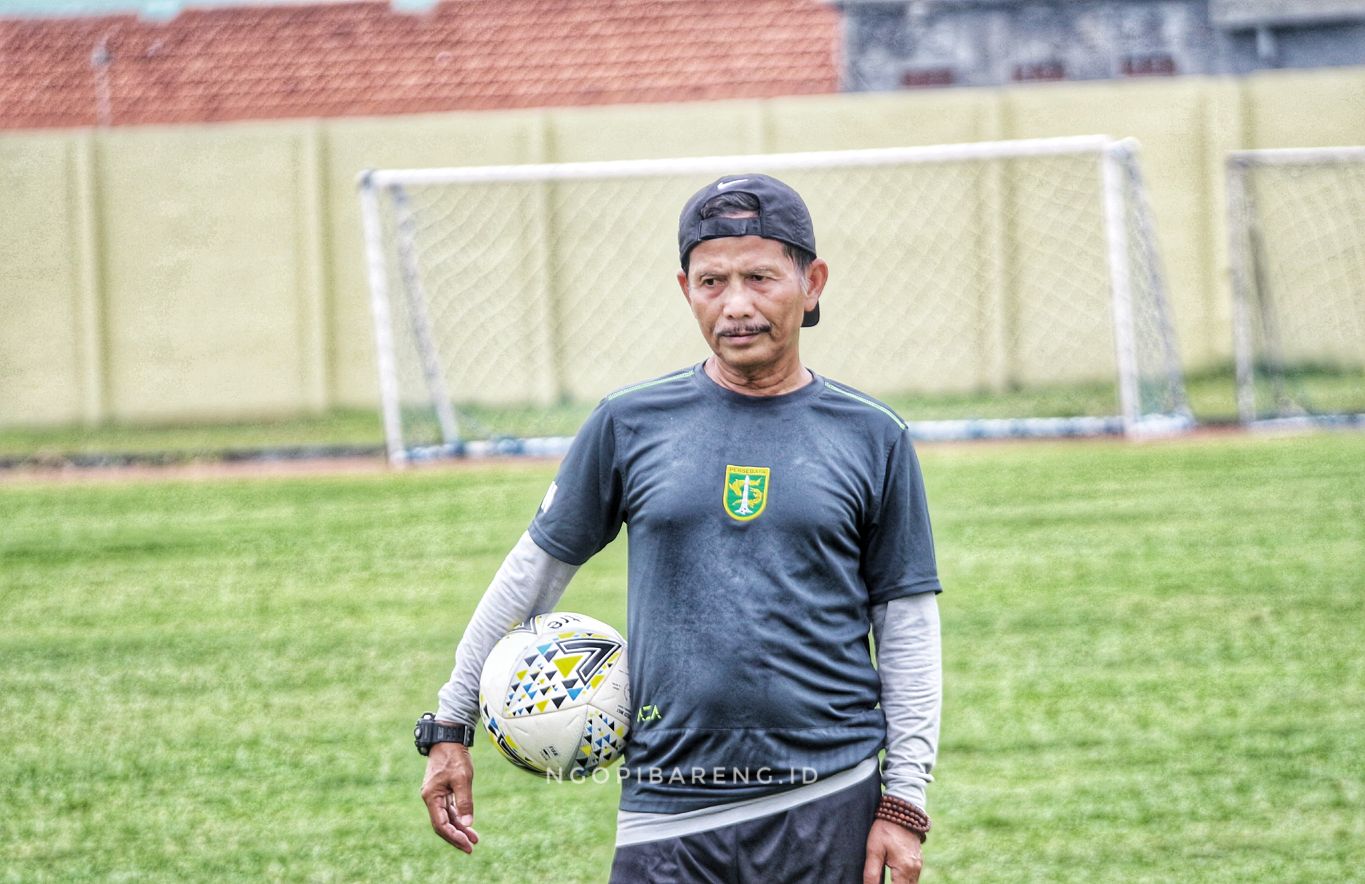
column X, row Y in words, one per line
column 555, row 694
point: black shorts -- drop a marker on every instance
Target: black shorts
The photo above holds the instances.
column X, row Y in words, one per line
column 822, row 841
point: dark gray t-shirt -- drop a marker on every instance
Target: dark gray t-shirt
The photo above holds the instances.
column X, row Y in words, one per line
column 762, row 531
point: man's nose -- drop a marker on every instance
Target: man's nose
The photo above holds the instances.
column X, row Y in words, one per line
column 739, row 300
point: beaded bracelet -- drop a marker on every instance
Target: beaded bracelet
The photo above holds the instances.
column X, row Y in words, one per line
column 903, row 813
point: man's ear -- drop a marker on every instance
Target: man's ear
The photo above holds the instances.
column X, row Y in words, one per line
column 682, row 284
column 817, row 274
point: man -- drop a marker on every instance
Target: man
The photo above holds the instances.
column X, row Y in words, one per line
column 775, row 518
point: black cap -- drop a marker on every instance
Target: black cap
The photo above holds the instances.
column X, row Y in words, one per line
column 782, row 215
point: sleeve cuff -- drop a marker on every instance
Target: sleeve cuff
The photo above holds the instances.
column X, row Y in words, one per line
column 549, row 547
column 906, row 792
column 901, row 590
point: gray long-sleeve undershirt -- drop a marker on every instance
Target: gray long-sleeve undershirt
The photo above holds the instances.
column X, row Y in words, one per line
column 906, row 630
column 909, row 662
column 529, row 582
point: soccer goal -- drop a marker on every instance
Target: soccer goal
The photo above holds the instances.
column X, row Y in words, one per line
column 989, row 289
column 1296, row 220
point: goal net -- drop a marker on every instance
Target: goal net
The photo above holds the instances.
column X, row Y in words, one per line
column 1297, row 224
column 990, row 289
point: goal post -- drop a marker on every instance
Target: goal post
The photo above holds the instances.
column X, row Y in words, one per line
column 1296, row 225
column 988, row 289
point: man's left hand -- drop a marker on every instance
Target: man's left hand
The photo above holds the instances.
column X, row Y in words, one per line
column 894, row 847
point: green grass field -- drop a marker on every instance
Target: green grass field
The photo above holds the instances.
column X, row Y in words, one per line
column 1155, row 671
column 1211, row 393
column 343, row 428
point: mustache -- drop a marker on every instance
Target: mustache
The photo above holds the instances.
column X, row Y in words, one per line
column 726, row 331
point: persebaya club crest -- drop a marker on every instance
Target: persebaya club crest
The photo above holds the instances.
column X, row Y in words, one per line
column 746, row 492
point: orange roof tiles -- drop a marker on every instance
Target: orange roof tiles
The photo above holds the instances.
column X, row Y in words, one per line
column 362, row 58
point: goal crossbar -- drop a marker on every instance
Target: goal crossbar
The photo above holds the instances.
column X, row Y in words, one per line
column 816, row 159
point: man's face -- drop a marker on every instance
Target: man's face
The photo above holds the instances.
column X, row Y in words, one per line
column 749, row 299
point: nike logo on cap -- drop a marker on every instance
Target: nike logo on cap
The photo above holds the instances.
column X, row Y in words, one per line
column 725, row 184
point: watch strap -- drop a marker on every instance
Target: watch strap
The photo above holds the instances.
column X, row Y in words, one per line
column 428, row 732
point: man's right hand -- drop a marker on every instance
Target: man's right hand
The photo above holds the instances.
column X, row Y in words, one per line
column 448, row 791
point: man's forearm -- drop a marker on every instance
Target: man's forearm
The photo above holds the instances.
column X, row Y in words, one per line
column 909, row 662
column 529, row 582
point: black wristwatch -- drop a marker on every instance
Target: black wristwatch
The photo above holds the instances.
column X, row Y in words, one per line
column 429, row 732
